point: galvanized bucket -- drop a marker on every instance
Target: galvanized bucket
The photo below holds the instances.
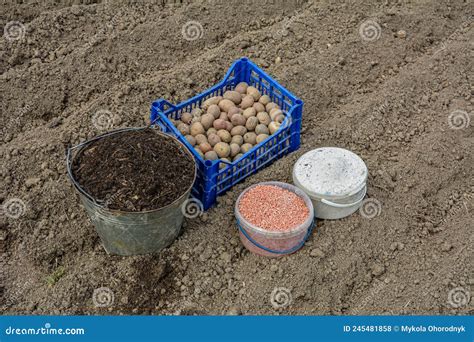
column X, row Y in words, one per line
column 131, row 233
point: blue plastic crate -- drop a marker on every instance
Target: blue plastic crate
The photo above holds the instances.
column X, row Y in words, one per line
column 216, row 177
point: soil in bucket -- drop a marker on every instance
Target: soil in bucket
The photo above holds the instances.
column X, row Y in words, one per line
column 137, row 170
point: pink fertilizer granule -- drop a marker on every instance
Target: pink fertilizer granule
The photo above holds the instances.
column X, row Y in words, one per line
column 273, row 208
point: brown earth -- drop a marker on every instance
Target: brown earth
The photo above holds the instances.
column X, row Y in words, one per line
column 81, row 70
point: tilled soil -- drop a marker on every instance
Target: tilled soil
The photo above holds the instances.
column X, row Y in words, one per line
column 390, row 95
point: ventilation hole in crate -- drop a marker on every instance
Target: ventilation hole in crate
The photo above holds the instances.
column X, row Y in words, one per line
column 285, row 106
column 265, row 90
column 278, row 97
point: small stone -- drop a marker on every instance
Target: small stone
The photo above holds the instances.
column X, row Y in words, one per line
column 55, row 122
column 397, row 246
column 274, row 268
column 317, row 253
column 341, row 61
column 446, row 247
column 205, row 255
column 126, row 89
column 75, row 9
column 378, row 270
column 244, row 44
column 30, row 182
column 401, row 34
column 226, row 257
column 278, row 60
column 204, row 217
column 199, row 248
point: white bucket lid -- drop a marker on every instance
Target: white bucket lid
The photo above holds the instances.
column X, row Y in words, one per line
column 330, row 172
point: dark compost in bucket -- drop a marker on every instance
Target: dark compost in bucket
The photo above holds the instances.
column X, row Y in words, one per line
column 137, row 170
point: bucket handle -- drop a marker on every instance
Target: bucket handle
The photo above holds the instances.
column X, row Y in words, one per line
column 288, row 251
column 71, row 177
column 345, row 205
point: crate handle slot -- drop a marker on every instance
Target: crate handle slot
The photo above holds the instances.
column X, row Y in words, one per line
column 161, row 104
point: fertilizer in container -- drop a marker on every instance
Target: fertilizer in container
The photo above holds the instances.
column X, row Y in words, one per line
column 335, row 180
column 133, row 183
column 274, row 218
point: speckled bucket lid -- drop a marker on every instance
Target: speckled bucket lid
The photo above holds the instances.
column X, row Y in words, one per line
column 330, row 172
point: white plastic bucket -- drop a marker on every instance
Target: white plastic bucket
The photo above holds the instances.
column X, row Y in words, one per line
column 334, row 178
column 270, row 243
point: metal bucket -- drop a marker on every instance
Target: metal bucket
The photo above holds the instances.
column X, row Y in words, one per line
column 131, row 233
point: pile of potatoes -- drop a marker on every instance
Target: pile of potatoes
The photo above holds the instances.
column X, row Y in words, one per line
column 226, row 127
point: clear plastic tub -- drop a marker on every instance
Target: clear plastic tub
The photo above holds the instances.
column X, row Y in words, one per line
column 271, row 243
